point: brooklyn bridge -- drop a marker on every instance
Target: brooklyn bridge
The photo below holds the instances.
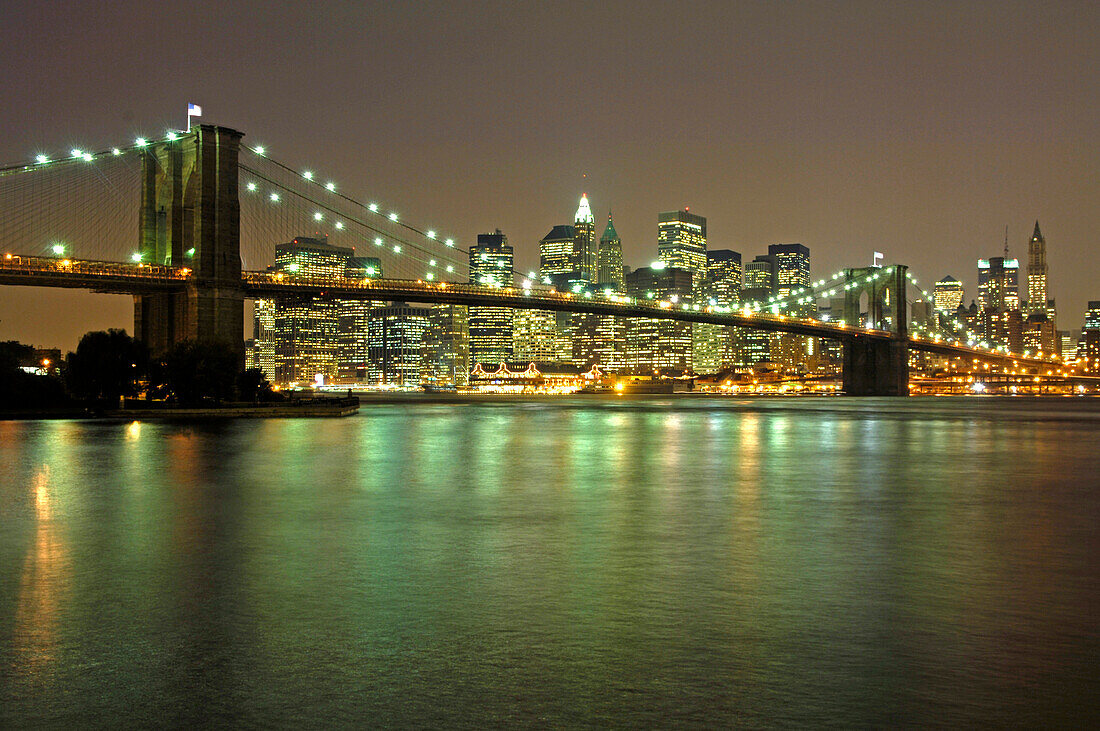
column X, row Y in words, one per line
column 168, row 222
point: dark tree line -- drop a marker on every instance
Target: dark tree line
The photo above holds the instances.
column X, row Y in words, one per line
column 109, row 365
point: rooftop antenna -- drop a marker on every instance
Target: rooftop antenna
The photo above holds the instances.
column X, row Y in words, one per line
column 1006, row 241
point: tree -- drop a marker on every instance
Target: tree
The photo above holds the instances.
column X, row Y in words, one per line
column 106, row 365
column 197, row 371
column 252, row 385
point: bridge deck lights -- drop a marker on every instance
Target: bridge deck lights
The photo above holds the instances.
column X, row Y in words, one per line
column 41, row 159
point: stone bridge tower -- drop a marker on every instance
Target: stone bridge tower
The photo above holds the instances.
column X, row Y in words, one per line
column 190, row 217
column 876, row 367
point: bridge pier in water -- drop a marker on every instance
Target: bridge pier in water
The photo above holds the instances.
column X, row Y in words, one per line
column 190, row 217
column 874, row 366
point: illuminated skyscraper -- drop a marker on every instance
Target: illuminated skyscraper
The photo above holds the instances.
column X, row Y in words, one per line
column 307, row 330
column 999, row 317
column 447, row 347
column 585, row 255
column 792, row 267
column 395, row 339
column 353, row 321
column 948, row 295
column 682, row 243
column 651, row 344
column 263, row 336
column 534, row 334
column 724, row 277
column 556, row 251
column 1037, row 272
column 759, row 283
column 998, row 284
column 610, row 255
column 713, row 346
column 492, row 264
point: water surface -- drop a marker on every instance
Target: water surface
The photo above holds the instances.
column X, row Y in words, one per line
column 612, row 562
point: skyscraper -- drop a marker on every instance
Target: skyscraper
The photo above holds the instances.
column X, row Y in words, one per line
column 492, row 264
column 999, row 317
column 447, row 347
column 658, row 344
column 353, row 322
column 395, row 339
column 723, row 277
column 306, row 330
column 682, row 243
column 948, row 295
column 556, row 251
column 713, row 346
column 998, row 284
column 585, row 253
column 792, row 267
column 534, row 335
column 1037, row 273
column 610, row 256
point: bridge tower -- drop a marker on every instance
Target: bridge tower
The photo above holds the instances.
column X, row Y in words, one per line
column 190, row 216
column 875, row 367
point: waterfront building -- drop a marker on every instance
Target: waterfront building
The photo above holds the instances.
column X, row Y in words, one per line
column 948, row 294
column 792, row 274
column 353, row 318
column 585, row 253
column 534, row 336
column 758, row 285
column 395, row 338
column 658, row 345
column 1040, row 336
column 446, row 359
column 682, row 243
column 610, row 259
column 306, row 329
column 492, row 264
column 1068, row 345
column 263, row 337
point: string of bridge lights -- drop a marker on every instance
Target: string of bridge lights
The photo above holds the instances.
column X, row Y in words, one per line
column 374, row 208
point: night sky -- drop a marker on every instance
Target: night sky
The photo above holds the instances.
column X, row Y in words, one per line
column 917, row 129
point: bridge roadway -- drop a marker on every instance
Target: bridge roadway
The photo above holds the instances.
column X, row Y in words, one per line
column 124, row 278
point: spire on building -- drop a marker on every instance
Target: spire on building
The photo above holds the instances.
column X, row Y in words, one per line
column 1037, row 235
column 584, row 212
column 1006, row 241
column 609, row 233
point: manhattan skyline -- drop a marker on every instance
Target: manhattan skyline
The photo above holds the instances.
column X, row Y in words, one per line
column 916, row 130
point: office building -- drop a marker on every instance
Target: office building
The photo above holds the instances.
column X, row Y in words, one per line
column 1037, row 295
column 492, row 264
column 610, row 259
column 556, row 251
column 682, row 243
column 792, row 267
column 395, row 338
column 534, row 336
column 446, row 359
column 585, row 253
column 307, row 329
column 353, row 320
column 658, row 345
column 948, row 295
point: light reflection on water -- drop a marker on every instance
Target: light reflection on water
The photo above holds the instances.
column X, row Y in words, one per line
column 615, row 562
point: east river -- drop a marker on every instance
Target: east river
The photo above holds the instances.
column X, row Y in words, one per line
column 856, row 562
